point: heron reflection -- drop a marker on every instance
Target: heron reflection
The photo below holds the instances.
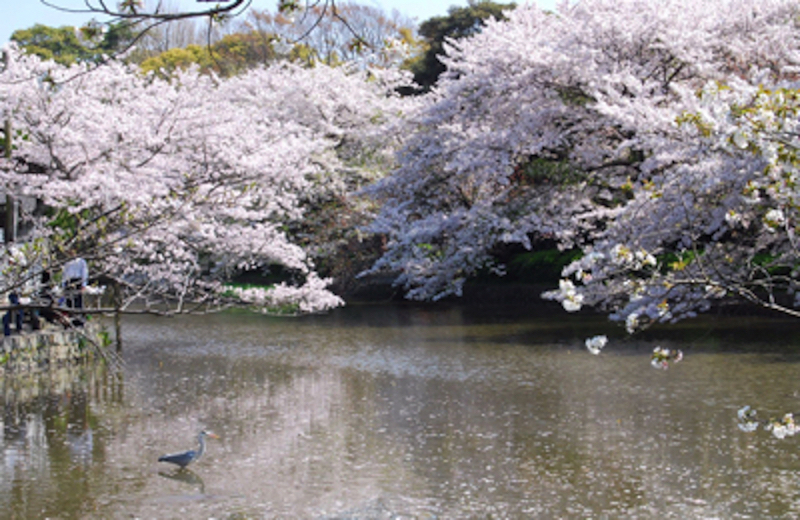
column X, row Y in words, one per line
column 185, row 476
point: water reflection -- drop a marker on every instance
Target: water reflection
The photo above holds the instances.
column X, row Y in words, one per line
column 49, row 445
column 186, row 476
column 415, row 412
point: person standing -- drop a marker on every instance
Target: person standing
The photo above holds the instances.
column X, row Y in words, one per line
column 12, row 315
column 74, row 277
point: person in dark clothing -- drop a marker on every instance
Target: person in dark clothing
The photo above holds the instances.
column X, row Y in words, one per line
column 46, row 298
column 11, row 314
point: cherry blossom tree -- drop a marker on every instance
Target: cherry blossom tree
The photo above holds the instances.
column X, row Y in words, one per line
column 720, row 223
column 633, row 130
column 170, row 188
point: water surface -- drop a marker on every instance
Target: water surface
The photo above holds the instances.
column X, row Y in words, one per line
column 409, row 411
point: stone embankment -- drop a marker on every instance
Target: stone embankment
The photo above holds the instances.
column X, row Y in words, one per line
column 33, row 351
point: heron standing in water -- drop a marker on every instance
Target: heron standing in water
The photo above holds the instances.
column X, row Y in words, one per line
column 185, row 458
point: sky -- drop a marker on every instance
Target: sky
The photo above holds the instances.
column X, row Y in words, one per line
column 26, row 13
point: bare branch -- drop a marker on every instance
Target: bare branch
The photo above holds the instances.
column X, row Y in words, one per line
column 132, row 10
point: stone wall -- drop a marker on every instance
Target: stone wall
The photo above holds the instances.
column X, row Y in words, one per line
column 52, row 347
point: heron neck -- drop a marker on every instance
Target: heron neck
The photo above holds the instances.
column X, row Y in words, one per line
column 202, row 440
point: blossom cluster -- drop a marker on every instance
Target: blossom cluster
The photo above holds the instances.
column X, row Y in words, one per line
column 173, row 186
column 569, row 296
column 781, row 427
column 596, row 343
column 657, row 137
column 661, row 357
column 287, row 299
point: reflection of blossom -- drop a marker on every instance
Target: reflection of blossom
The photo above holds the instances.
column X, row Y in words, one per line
column 81, row 446
column 785, row 426
column 596, row 344
column 662, row 356
column 747, row 419
column 780, row 428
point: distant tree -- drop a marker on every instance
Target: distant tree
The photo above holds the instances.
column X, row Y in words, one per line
column 144, row 17
column 174, row 35
column 233, row 54
column 67, row 44
column 459, row 23
column 172, row 60
column 238, row 52
column 50, row 43
column 340, row 32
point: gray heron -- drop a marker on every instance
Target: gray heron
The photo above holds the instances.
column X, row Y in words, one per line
column 185, row 458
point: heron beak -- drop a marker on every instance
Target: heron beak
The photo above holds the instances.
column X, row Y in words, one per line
column 212, row 435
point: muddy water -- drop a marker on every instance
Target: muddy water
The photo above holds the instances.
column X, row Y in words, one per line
column 409, row 411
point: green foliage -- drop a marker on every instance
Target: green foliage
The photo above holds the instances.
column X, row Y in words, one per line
column 65, row 220
column 118, row 37
column 67, row 224
column 772, row 264
column 130, row 6
column 16, row 136
column 461, row 22
column 78, row 230
column 233, row 54
column 230, row 287
column 574, row 96
column 540, row 170
column 541, row 266
column 105, row 338
column 432, row 251
column 696, row 120
column 171, row 60
column 677, row 261
column 238, row 52
column 50, row 43
column 63, row 45
column 285, row 309
column 288, row 7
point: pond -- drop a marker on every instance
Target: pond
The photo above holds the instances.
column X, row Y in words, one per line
column 410, row 411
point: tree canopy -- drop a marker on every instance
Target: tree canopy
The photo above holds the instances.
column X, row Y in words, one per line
column 172, row 187
column 231, row 55
column 67, row 45
column 655, row 142
column 655, row 137
column 460, row 22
